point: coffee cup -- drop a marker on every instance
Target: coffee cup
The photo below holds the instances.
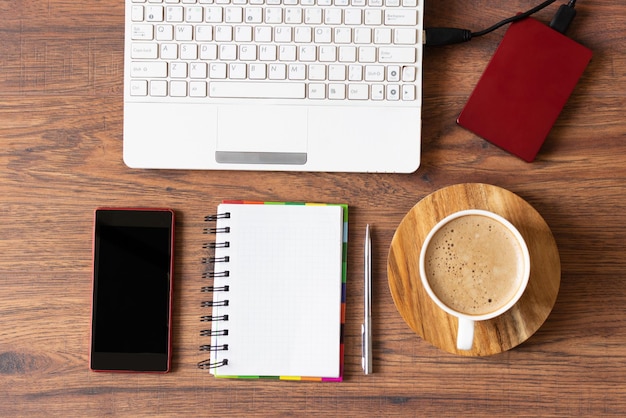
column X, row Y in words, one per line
column 474, row 264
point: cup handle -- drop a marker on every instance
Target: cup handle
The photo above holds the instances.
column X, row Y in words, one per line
column 465, row 335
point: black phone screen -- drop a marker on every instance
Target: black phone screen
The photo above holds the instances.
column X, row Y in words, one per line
column 132, row 283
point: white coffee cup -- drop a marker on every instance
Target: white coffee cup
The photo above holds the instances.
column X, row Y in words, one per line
column 474, row 264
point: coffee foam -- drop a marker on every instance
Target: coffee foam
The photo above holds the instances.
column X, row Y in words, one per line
column 474, row 264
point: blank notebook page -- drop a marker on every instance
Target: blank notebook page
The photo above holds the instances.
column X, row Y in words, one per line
column 285, row 290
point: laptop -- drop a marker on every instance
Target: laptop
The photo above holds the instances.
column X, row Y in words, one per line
column 282, row 85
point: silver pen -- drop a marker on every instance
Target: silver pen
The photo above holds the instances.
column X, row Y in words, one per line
column 366, row 327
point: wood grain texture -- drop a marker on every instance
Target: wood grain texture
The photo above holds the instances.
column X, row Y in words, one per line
column 61, row 65
column 435, row 325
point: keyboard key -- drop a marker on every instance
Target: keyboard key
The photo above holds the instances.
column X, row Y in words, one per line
column 254, row 15
column 322, row 34
column 268, row 52
column 138, row 88
column 332, row 16
column 148, row 69
column 198, row 70
column 297, row 72
column 269, row 90
column 204, row 33
column 287, row 53
column 307, row 53
column 362, row 36
column 327, row 53
column 303, row 34
column 193, row 14
column 317, row 72
column 217, row 70
column 355, row 73
column 396, row 55
column 144, row 50
column 178, row 70
column 197, row 89
column 142, row 32
column 154, row 13
column 336, row 91
column 408, row 92
column 208, row 51
column 189, row 51
column 283, row 34
column 367, row 54
column 158, row 88
column 247, row 52
column 164, row 32
column 393, row 92
column 378, row 92
column 293, row 15
column 178, row 88
column 174, row 14
column 213, row 14
column 313, row 16
column 237, row 71
column 343, row 35
column 347, row 54
column 353, row 17
column 233, row 15
column 358, row 92
column 183, row 32
column 136, row 13
column 317, row 91
column 257, row 71
column 228, row 52
column 408, row 73
column 263, row 34
column 273, row 15
column 393, row 73
column 277, row 72
column 400, row 17
column 382, row 36
column 373, row 17
column 404, row 36
column 374, row 73
column 337, row 72
column 169, row 51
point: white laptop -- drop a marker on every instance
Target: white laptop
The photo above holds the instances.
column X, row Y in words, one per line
column 298, row 85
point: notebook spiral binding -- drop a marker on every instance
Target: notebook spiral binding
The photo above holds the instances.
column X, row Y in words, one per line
column 212, row 260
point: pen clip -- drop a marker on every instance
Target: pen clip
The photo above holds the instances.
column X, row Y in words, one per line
column 363, row 346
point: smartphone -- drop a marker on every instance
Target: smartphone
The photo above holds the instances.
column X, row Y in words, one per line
column 133, row 263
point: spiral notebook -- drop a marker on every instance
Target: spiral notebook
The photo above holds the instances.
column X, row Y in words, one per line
column 277, row 275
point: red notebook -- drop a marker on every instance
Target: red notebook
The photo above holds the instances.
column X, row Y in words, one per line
column 524, row 87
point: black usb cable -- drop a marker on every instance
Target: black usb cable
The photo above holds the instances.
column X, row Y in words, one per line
column 447, row 36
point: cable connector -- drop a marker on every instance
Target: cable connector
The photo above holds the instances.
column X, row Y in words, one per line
column 446, row 36
column 563, row 17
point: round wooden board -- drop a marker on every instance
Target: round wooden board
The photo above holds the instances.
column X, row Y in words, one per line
column 432, row 323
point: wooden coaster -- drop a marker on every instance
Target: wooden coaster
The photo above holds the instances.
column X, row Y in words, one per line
column 432, row 323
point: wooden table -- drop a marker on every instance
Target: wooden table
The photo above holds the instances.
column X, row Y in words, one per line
column 61, row 67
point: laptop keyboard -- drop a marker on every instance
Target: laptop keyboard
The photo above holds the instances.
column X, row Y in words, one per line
column 320, row 50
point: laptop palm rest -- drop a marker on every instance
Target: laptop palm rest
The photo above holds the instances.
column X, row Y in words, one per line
column 270, row 134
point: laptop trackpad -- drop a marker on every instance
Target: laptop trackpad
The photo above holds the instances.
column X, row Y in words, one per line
column 261, row 135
